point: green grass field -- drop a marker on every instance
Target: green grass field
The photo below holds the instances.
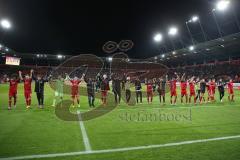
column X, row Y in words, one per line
column 37, row 132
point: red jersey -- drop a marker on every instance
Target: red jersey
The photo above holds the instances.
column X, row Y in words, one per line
column 13, row 85
column 173, row 85
column 192, row 87
column 230, row 85
column 75, row 84
column 184, row 86
column 149, row 87
column 27, row 85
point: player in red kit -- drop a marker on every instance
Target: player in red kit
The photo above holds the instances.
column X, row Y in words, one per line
column 192, row 84
column 212, row 89
column 27, row 80
column 149, row 86
column 230, row 91
column 183, row 86
column 173, row 89
column 75, row 82
column 104, row 85
column 13, row 83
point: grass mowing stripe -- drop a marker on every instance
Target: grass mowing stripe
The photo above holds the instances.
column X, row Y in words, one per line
column 84, row 133
column 120, row 149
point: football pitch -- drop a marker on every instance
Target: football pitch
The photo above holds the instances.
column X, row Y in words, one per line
column 147, row 131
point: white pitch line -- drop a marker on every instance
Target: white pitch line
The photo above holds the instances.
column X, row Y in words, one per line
column 84, row 133
column 119, row 149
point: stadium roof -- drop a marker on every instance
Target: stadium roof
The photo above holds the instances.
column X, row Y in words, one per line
column 218, row 49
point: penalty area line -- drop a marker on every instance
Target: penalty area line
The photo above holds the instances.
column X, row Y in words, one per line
column 120, row 149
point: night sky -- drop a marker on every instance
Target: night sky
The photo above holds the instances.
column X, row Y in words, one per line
column 76, row 26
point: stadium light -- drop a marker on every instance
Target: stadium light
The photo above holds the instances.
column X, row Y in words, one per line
column 222, row 5
column 59, row 56
column 195, row 19
column 191, row 48
column 172, row 31
column 6, row 24
column 158, row 37
column 110, row 59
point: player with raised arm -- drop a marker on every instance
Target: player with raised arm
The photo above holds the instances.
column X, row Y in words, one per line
column 230, row 91
column 192, row 84
column 27, row 80
column 183, row 86
column 173, row 88
column 75, row 82
column 13, row 84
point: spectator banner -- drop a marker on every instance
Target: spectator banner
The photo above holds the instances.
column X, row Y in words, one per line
column 13, row 61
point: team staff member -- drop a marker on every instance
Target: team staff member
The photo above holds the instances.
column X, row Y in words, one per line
column 138, row 90
column 221, row 89
column 90, row 91
column 27, row 80
column 128, row 91
column 162, row 89
column 39, row 88
column 202, row 90
column 116, row 87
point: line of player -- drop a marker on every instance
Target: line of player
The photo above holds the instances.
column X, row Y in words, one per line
column 197, row 88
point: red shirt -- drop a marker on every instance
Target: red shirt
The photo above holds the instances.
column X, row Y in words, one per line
column 149, row 87
column 173, row 85
column 192, row 86
column 27, row 85
column 75, row 84
column 13, row 85
column 230, row 85
column 213, row 85
column 183, row 86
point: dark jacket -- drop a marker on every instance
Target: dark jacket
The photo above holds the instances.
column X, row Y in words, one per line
column 39, row 84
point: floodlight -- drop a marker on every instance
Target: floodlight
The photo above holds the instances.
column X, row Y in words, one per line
column 195, row 18
column 191, row 48
column 173, row 31
column 59, row 56
column 158, row 37
column 222, row 5
column 5, row 24
column 110, row 59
